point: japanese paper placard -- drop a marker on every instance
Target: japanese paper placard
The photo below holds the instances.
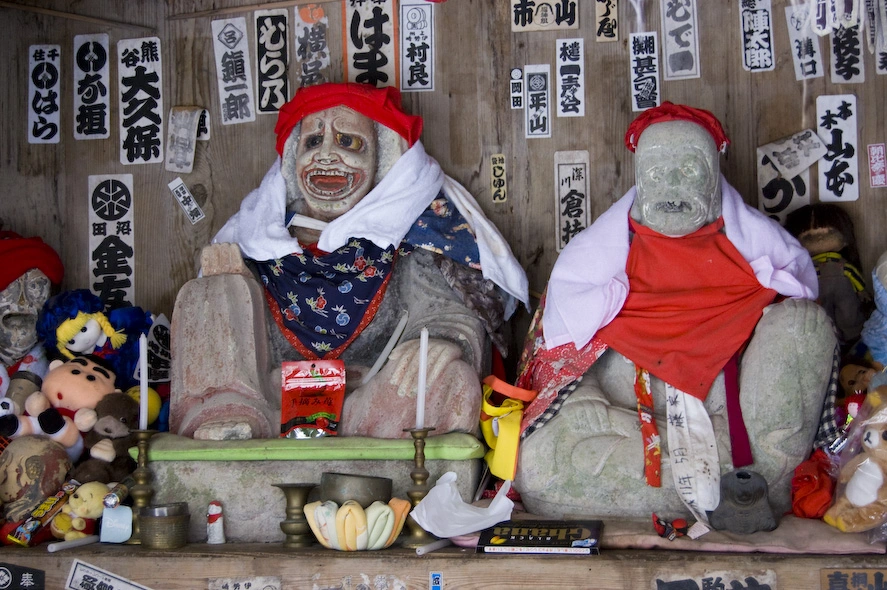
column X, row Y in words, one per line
column 272, row 59
column 111, row 240
column 838, row 168
column 233, row 72
column 416, row 46
column 311, row 26
column 44, row 84
column 370, row 33
column 92, row 84
column 140, row 77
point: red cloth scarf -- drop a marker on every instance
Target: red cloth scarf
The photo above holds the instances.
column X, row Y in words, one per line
column 680, row 292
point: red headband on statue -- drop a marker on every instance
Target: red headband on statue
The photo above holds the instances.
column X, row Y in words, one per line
column 379, row 104
column 668, row 111
column 18, row 255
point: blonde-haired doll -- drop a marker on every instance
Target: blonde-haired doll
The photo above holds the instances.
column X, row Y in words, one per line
column 75, row 323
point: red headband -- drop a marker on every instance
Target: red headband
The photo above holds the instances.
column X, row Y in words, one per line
column 668, row 111
column 379, row 104
column 18, row 255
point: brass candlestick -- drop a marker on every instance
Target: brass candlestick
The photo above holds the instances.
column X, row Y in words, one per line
column 141, row 492
column 417, row 536
column 295, row 527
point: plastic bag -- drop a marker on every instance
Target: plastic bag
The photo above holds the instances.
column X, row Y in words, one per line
column 443, row 513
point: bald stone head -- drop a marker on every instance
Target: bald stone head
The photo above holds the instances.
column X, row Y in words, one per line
column 678, row 178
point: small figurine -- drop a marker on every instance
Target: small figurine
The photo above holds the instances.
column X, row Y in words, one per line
column 74, row 322
column 826, row 231
column 215, row 524
column 78, row 516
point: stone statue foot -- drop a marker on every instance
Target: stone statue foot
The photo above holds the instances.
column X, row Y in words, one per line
column 224, row 430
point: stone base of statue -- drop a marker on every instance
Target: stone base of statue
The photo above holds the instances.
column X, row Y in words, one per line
column 588, row 460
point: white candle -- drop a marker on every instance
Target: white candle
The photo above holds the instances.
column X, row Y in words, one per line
column 143, row 382
column 423, row 374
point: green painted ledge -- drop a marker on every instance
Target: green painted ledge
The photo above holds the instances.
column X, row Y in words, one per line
column 449, row 447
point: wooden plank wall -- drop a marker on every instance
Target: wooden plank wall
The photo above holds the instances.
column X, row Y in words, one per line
column 44, row 187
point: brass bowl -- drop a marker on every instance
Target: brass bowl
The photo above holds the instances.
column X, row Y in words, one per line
column 363, row 489
column 164, row 526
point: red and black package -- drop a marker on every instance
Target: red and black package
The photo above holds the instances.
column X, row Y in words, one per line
column 312, row 396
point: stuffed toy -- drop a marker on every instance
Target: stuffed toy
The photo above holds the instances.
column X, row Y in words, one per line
column 74, row 322
column 78, row 516
column 861, row 503
column 826, row 231
column 109, row 441
column 65, row 405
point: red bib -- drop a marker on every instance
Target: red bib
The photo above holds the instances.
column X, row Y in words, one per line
column 692, row 303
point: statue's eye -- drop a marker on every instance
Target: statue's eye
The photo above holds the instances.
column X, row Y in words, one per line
column 313, row 141
column 689, row 170
column 349, row 142
column 655, row 173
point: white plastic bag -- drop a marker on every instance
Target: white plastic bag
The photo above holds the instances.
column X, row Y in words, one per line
column 443, row 513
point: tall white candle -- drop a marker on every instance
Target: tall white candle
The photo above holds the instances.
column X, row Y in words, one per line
column 423, row 375
column 143, row 382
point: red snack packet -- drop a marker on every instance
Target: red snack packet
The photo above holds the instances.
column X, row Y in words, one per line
column 312, row 396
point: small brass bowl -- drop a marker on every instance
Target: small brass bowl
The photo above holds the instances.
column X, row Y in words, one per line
column 363, row 489
column 164, row 526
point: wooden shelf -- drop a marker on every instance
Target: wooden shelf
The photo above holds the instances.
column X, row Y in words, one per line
column 197, row 566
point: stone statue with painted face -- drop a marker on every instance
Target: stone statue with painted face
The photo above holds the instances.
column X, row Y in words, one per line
column 678, row 340
column 29, row 268
column 354, row 232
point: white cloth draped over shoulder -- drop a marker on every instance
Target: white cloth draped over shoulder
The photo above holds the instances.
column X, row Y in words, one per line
column 383, row 216
column 588, row 283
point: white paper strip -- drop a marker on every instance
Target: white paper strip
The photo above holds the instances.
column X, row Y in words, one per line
column 310, row 27
column 544, row 16
column 92, row 87
column 537, row 119
column 181, row 144
column 186, row 200
column 516, row 88
column 272, row 59
column 777, row 195
column 793, row 154
column 498, row 178
column 416, row 46
column 606, row 14
column 571, row 194
column 644, row 70
column 680, row 39
column 111, row 253
column 805, row 51
column 235, row 80
column 370, row 35
column 838, row 168
column 755, row 17
column 44, row 87
column 847, row 66
column 570, row 64
column 140, row 88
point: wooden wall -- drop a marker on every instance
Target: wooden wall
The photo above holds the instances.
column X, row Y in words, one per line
column 44, row 187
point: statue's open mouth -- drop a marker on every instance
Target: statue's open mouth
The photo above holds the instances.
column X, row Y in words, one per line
column 674, row 207
column 332, row 183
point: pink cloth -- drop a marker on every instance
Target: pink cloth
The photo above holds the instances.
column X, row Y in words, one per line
column 588, row 283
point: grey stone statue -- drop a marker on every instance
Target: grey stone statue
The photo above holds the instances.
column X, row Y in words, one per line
column 594, row 447
column 378, row 233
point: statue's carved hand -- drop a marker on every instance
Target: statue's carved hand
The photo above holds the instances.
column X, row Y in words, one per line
column 402, row 369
